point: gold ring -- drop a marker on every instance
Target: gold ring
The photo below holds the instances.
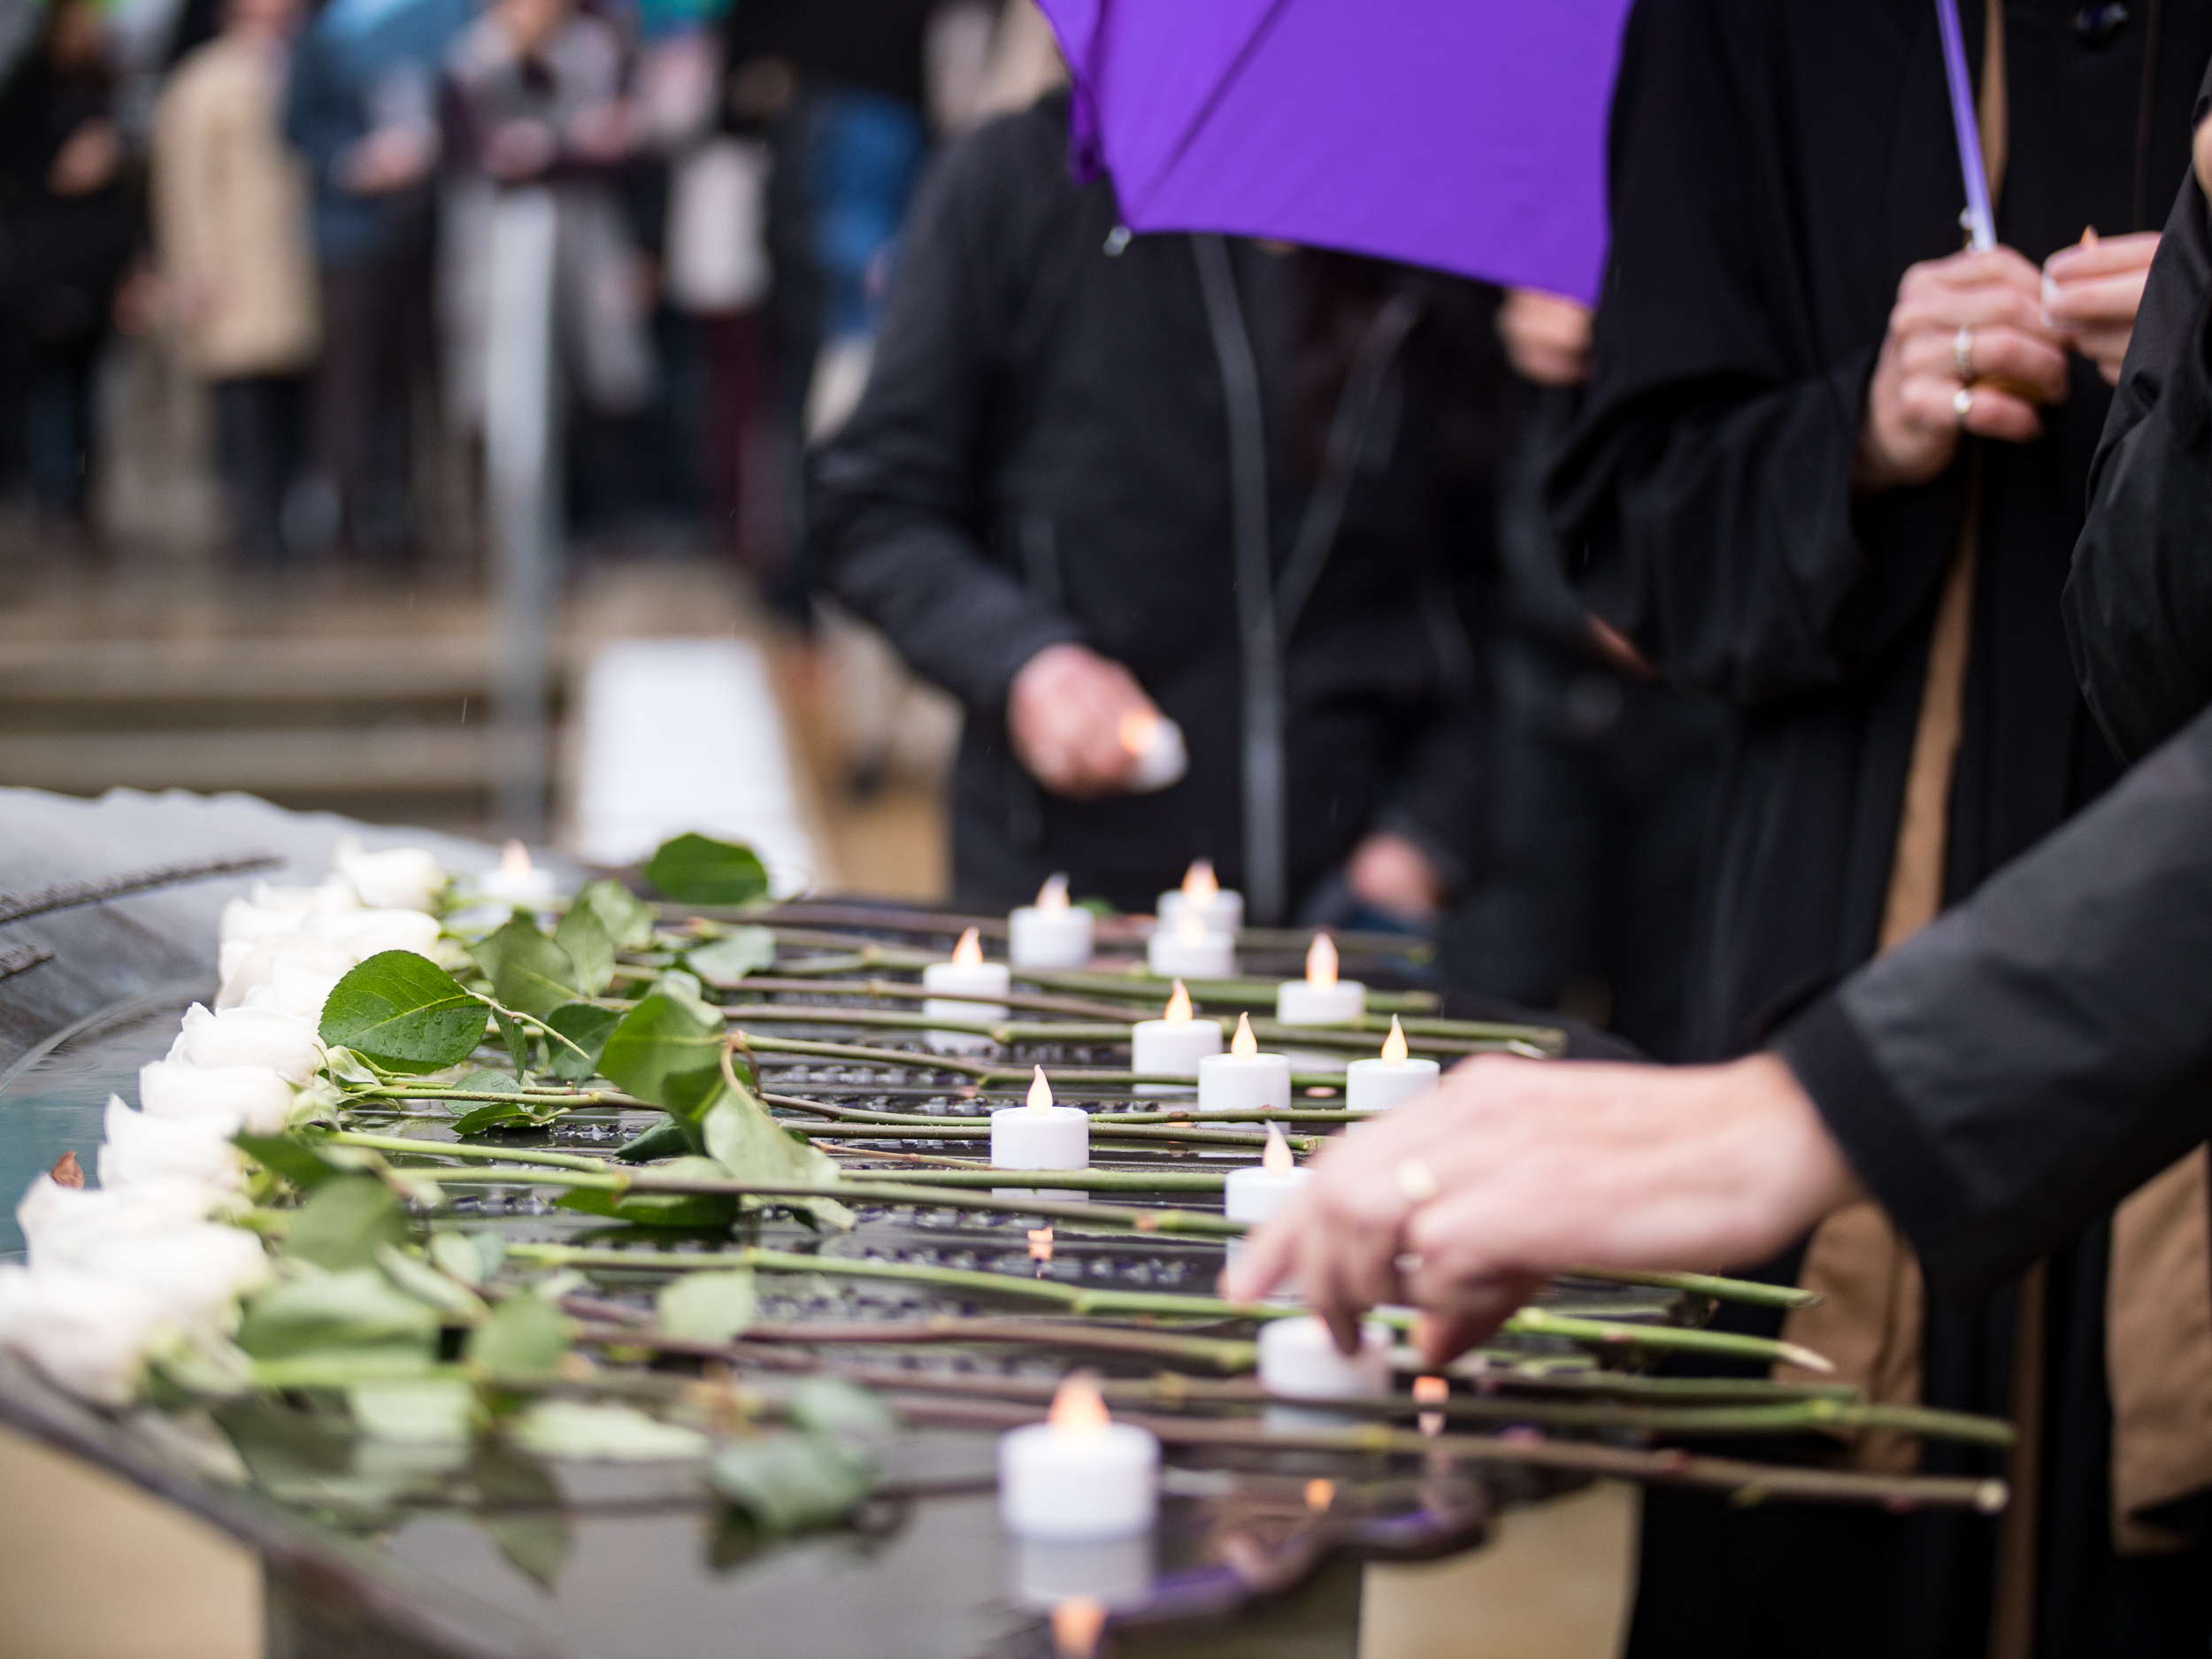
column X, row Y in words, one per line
column 1962, row 354
column 1962, row 403
column 1417, row 1180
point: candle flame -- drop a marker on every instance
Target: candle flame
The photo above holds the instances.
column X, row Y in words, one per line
column 1198, row 886
column 514, row 859
column 1077, row 1408
column 1178, row 1006
column 1077, row 1624
column 1244, row 1045
column 1321, row 963
column 1394, row 1049
column 1138, row 728
column 1040, row 1093
column 1041, row 1244
column 1277, row 1159
column 1430, row 1391
column 968, row 952
column 1054, row 894
column 1320, row 1494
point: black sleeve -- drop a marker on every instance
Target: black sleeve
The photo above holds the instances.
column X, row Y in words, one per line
column 2138, row 603
column 899, row 498
column 1707, row 488
column 2034, row 1055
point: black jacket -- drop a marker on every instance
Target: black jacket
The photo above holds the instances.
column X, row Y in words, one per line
column 1042, row 455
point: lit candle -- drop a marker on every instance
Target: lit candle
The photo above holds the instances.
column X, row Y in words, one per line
column 1157, row 744
column 517, row 880
column 1186, row 949
column 1051, row 932
column 1299, row 1361
column 970, row 975
column 1221, row 912
column 1041, row 1135
column 1320, row 998
column 1255, row 1192
column 1172, row 1045
column 1079, row 1474
column 1243, row 1079
column 1375, row 1085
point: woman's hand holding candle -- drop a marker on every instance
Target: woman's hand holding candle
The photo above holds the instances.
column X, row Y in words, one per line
column 1063, row 713
column 2092, row 292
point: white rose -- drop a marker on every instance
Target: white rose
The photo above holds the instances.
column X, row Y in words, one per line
column 249, row 1096
column 60, row 1223
column 248, row 1036
column 295, row 994
column 245, row 964
column 198, row 1272
column 140, row 1149
column 244, row 922
column 86, row 1334
column 332, row 893
column 397, row 877
column 366, row 933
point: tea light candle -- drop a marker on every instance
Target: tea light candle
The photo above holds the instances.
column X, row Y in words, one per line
column 1155, row 744
column 1041, row 1135
column 1243, row 1079
column 1255, row 1192
column 1375, row 1085
column 1051, row 932
column 1079, row 1474
column 1201, row 894
column 1320, row 998
column 1186, row 948
column 517, row 880
column 1299, row 1361
column 968, row 973
column 1172, row 1045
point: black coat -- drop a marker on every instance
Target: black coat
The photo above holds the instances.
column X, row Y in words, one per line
column 2139, row 605
column 1775, row 169
column 1041, row 455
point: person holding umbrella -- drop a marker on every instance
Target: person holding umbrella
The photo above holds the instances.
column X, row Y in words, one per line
column 1831, row 469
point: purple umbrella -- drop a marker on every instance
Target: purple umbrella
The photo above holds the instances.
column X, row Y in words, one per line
column 1464, row 134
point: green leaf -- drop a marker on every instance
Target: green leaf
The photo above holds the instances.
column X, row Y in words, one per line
column 528, row 971
column 525, row 1336
column 359, row 1317
column 434, row 1411
column 790, row 1483
column 426, row 1282
column 706, row 1307
column 603, row 1433
column 292, row 1159
column 628, row 918
column 496, row 1114
column 518, row 1042
column 693, row 870
column 528, row 1522
column 587, row 1026
column 588, row 946
column 727, row 960
column 456, row 1255
column 707, row 1210
column 834, row 1406
column 343, row 1221
column 403, row 1012
column 752, row 1146
column 665, row 1053
column 667, row 1139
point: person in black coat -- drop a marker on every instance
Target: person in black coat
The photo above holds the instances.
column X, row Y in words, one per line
column 1096, row 475
column 1770, row 488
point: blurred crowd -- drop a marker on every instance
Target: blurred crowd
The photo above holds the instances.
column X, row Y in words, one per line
column 299, row 202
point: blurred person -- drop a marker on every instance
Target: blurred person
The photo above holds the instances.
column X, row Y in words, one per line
column 1831, row 470
column 536, row 99
column 69, row 213
column 362, row 108
column 1602, row 775
column 231, row 210
column 1036, row 500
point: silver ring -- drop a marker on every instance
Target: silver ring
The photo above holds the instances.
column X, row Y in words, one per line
column 1962, row 403
column 1417, row 1180
column 1962, row 354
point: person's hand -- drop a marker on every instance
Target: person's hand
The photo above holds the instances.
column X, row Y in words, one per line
column 520, row 149
column 1546, row 336
column 2092, row 291
column 1065, row 712
column 603, row 132
column 87, row 160
column 2201, row 152
column 1517, row 1169
column 1933, row 383
column 1393, row 874
column 388, row 158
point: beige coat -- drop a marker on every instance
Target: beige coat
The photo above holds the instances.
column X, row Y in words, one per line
column 230, row 211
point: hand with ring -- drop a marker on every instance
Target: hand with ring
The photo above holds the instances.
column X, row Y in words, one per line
column 1972, row 324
